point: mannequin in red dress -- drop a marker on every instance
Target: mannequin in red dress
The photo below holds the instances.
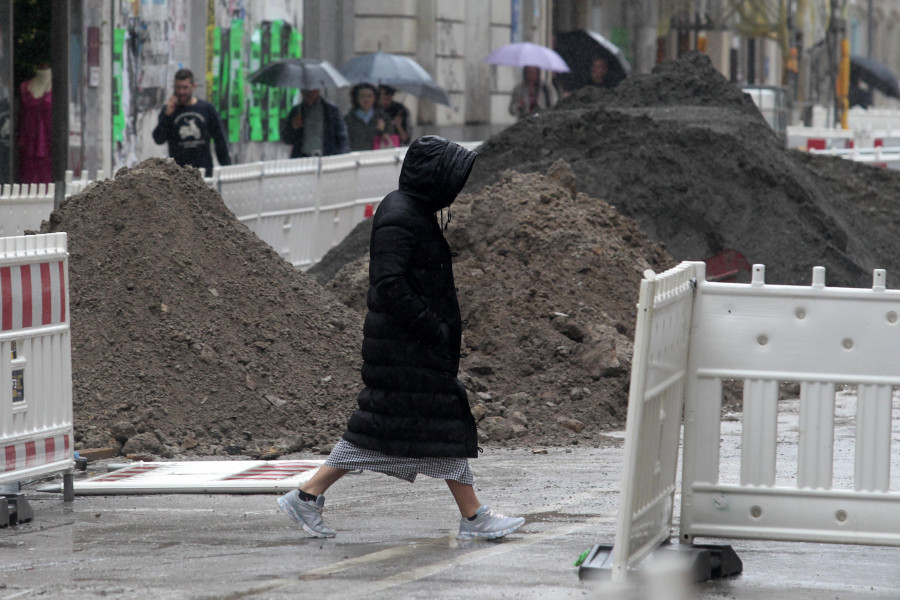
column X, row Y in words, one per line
column 35, row 116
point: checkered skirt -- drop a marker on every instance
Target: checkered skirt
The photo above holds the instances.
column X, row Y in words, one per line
column 347, row 455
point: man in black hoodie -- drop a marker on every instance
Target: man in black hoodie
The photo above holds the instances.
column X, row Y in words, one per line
column 413, row 416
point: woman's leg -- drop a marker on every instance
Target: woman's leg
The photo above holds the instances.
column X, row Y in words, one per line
column 465, row 497
column 322, row 480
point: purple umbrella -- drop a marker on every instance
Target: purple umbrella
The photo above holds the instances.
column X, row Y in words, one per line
column 526, row 54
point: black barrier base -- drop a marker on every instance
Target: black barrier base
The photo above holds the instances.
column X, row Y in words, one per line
column 705, row 561
column 14, row 510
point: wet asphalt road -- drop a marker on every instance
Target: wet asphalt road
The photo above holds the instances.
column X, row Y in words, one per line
column 396, row 540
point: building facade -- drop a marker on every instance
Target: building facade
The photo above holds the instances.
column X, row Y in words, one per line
column 113, row 61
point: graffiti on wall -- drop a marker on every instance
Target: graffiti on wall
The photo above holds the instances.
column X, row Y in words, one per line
column 154, row 39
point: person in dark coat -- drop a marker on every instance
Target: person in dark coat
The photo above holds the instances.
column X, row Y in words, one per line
column 315, row 127
column 413, row 416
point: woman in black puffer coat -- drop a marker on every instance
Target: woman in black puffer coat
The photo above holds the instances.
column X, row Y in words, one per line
column 413, row 416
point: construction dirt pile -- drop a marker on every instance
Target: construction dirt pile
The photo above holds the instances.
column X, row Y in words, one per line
column 689, row 157
column 189, row 334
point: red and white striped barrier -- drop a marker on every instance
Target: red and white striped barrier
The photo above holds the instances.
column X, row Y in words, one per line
column 36, row 433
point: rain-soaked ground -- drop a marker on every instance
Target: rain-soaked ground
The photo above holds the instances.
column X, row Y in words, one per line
column 396, row 540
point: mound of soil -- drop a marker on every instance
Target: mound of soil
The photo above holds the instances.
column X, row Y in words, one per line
column 687, row 155
column 698, row 168
column 191, row 335
column 548, row 280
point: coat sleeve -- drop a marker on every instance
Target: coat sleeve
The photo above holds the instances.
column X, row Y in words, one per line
column 289, row 135
column 161, row 131
column 393, row 244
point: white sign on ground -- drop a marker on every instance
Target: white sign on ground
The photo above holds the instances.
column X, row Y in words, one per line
column 200, row 477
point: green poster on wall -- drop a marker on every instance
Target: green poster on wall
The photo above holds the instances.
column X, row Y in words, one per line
column 256, row 91
column 275, row 94
column 294, row 50
column 224, row 76
column 118, row 109
column 236, row 80
column 216, row 67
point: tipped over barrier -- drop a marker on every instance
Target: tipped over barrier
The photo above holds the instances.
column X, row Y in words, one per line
column 693, row 335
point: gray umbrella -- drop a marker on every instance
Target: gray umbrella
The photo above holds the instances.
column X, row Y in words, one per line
column 302, row 73
column 401, row 72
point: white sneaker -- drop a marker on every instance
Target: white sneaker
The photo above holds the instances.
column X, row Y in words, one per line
column 488, row 524
column 308, row 514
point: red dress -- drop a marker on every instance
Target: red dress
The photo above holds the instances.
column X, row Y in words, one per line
column 35, row 116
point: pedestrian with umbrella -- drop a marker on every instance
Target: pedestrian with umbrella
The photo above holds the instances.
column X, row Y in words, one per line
column 390, row 73
column 531, row 94
column 314, row 127
column 594, row 60
column 396, row 112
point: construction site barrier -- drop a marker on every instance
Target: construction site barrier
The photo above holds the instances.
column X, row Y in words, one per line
column 818, row 138
column 692, row 335
column 24, row 206
column 36, row 433
column 876, row 156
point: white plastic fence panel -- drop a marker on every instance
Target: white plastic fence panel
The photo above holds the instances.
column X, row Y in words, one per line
column 877, row 156
column 378, row 174
column 76, row 186
column 654, row 415
column 337, row 207
column 819, row 337
column 288, row 206
column 36, row 435
column 240, row 188
column 24, row 206
column 873, row 118
column 818, row 138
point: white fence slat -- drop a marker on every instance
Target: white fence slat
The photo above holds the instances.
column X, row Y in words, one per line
column 815, row 457
column 759, row 431
column 872, row 470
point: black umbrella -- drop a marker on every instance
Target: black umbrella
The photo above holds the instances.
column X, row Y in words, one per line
column 401, row 72
column 302, row 73
column 580, row 48
column 875, row 74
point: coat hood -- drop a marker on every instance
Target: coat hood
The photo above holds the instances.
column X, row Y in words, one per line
column 435, row 170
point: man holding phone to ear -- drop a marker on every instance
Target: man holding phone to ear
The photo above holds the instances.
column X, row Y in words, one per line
column 188, row 124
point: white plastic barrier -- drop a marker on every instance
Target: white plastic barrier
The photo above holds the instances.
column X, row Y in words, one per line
column 877, row 156
column 23, row 207
column 873, row 118
column 692, row 335
column 36, row 434
column 818, row 138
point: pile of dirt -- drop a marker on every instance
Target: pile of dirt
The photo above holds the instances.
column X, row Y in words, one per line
column 687, row 155
column 548, row 280
column 191, row 335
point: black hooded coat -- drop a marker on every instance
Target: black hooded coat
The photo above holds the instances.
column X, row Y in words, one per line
column 413, row 405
